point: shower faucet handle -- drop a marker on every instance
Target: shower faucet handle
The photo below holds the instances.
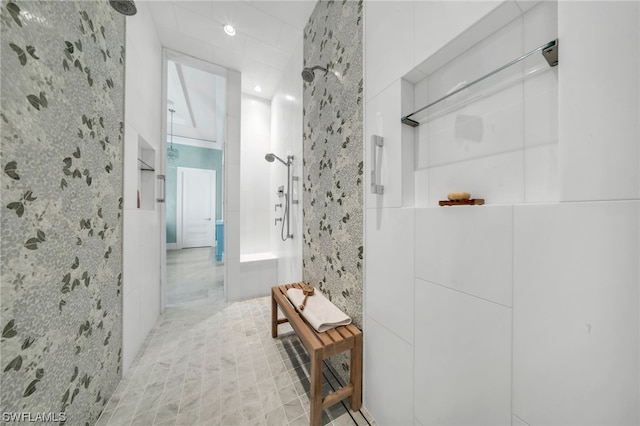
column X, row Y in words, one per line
column 278, row 219
column 276, row 206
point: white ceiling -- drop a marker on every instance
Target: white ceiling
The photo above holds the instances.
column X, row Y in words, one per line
column 267, row 32
column 197, row 100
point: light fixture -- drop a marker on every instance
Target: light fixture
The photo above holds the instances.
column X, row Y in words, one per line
column 229, row 30
column 257, row 88
column 290, row 98
column 172, row 153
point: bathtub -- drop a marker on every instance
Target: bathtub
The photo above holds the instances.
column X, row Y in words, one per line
column 258, row 273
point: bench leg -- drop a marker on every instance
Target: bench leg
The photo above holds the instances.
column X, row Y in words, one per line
column 355, row 399
column 315, row 385
column 274, row 316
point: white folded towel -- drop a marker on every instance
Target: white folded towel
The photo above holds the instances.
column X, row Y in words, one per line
column 318, row 311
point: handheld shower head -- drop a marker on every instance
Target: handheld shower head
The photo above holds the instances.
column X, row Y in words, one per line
column 308, row 75
column 270, row 157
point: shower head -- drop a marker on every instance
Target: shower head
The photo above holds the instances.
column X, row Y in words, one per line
column 270, row 157
column 307, row 73
column 126, row 7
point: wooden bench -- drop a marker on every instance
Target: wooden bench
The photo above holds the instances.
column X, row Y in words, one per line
column 321, row 346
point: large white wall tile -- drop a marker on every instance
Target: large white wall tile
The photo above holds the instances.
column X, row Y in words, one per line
column 466, row 248
column 599, row 105
column 517, row 421
column 255, row 172
column 421, row 187
column 388, row 46
column 388, row 375
column 489, row 126
column 541, row 173
column 142, row 230
column 383, row 114
column 575, row 311
column 389, row 269
column 463, row 358
column 439, row 22
column 499, row 179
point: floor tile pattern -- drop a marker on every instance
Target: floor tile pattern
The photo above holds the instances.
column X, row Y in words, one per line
column 215, row 363
column 193, row 274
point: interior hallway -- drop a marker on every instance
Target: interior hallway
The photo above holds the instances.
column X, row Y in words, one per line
column 210, row 362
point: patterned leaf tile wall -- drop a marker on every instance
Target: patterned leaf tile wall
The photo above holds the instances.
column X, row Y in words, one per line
column 62, row 114
column 333, row 150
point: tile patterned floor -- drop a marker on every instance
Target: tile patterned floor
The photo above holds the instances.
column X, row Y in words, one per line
column 215, row 363
column 193, row 274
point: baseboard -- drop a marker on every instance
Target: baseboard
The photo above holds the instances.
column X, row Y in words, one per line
column 172, row 246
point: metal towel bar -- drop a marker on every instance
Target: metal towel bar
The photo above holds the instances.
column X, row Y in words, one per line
column 549, row 52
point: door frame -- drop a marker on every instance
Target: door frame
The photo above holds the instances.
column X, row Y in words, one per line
column 179, row 202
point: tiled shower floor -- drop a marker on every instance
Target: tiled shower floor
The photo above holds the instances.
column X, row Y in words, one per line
column 216, row 364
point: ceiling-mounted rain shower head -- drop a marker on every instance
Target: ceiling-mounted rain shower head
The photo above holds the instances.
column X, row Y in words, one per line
column 126, row 7
column 307, row 73
column 270, row 157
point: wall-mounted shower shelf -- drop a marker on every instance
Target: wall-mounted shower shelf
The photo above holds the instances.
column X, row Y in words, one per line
column 145, row 167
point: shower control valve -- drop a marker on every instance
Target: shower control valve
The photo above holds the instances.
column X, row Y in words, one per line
column 278, row 219
column 276, row 206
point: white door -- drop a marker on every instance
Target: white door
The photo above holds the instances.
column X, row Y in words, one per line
column 198, row 206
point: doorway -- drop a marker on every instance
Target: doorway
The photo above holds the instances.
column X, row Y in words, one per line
column 196, row 207
column 195, row 112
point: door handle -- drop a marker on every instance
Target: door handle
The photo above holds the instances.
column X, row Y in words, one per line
column 164, row 188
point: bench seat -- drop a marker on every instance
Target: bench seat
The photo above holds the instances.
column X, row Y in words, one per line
column 321, row 346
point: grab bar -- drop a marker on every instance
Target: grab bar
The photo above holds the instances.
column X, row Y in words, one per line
column 549, row 52
column 376, row 188
column 164, row 189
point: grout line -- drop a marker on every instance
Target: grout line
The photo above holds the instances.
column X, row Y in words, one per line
column 513, row 273
column 519, row 418
column 466, row 294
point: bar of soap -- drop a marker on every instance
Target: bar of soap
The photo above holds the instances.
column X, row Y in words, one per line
column 457, row 196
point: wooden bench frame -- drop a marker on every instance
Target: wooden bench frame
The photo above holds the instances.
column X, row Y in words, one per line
column 321, row 346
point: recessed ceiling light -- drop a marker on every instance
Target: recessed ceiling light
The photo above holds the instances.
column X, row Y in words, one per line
column 290, row 98
column 229, row 30
column 257, row 88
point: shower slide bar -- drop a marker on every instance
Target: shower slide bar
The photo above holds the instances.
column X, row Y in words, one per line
column 549, row 52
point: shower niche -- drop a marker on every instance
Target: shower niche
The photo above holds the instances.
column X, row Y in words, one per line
column 146, row 175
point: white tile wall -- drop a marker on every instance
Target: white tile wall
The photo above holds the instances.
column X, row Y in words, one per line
column 389, row 269
column 383, row 114
column 475, row 141
column 255, row 199
column 463, row 358
column 541, row 173
column 576, row 313
column 466, row 248
column 141, row 229
column 388, row 374
column 286, row 139
column 438, row 22
column 257, row 278
column 517, row 421
column 599, row 105
column 232, row 191
column 497, row 179
column 578, row 264
column 388, row 50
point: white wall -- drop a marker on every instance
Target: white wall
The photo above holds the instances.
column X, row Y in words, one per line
column 232, row 159
column 286, row 139
column 519, row 312
column 255, row 173
column 142, row 231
